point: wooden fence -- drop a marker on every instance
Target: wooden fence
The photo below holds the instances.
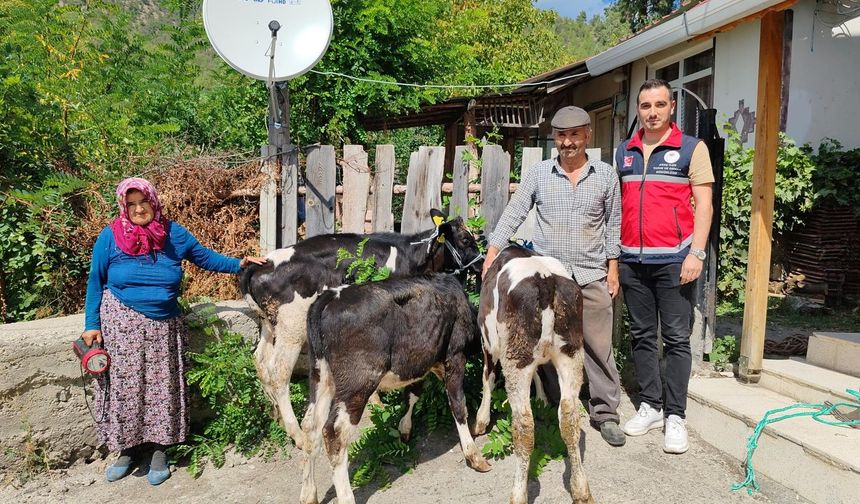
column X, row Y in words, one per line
column 363, row 203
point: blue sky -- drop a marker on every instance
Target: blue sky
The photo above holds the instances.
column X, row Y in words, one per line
column 572, row 8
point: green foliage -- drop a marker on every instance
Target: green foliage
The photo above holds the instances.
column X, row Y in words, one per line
column 37, row 229
column 379, row 445
column 836, row 182
column 583, row 38
column 794, row 173
column 361, row 269
column 224, row 375
column 725, row 352
column 548, row 444
column 641, row 13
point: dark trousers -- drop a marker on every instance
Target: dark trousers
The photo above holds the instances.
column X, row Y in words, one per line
column 651, row 290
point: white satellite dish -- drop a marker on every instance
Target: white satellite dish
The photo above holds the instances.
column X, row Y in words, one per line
column 240, row 32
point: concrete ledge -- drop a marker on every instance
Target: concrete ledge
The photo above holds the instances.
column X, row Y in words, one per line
column 837, row 351
column 41, row 399
column 820, row 462
column 806, row 382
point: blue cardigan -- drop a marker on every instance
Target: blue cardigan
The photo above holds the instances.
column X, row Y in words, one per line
column 148, row 284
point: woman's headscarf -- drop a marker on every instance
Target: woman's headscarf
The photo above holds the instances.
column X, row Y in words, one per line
column 132, row 238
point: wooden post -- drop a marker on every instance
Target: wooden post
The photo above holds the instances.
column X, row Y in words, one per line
column 383, row 183
column 531, row 156
column 450, row 144
column 495, row 188
column 269, row 199
column 356, row 184
column 763, row 187
column 320, row 183
column 459, row 204
column 423, row 189
column 289, row 192
column 471, row 131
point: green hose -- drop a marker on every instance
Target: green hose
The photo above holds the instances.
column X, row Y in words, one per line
column 817, row 412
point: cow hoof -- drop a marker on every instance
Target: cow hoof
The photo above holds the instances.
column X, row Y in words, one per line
column 404, row 436
column 479, row 429
column 299, row 442
column 480, row 464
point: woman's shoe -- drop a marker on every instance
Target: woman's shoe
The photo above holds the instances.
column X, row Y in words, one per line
column 118, row 470
column 157, row 477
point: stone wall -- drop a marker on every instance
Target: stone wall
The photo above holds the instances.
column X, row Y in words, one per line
column 42, row 408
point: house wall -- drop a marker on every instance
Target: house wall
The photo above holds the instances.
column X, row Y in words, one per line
column 824, row 80
column 824, row 96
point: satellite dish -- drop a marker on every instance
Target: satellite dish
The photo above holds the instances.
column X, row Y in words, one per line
column 240, row 32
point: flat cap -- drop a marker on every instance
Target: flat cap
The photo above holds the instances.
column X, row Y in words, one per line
column 570, row 117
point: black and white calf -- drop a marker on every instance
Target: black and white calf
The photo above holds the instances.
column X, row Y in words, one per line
column 382, row 335
column 282, row 290
column 531, row 314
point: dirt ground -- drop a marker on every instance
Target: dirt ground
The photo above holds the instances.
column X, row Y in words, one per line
column 639, row 472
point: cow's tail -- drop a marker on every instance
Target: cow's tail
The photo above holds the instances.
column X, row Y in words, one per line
column 316, row 342
column 246, row 277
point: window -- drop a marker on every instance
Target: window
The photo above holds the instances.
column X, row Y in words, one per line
column 695, row 74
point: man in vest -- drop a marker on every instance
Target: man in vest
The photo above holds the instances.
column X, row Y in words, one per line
column 577, row 202
column 663, row 241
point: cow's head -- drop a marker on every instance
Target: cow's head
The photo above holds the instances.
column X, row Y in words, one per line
column 461, row 250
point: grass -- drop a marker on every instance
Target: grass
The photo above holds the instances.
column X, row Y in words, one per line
column 780, row 312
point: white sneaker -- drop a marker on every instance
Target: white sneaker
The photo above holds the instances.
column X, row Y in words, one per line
column 647, row 418
column 675, row 440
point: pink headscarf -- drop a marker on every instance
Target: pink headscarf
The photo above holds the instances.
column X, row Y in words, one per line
column 132, row 238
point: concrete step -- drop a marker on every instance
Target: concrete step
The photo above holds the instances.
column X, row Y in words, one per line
column 805, row 382
column 820, row 462
column 835, row 351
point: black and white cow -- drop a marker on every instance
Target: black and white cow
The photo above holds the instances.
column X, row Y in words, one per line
column 283, row 289
column 530, row 314
column 382, row 335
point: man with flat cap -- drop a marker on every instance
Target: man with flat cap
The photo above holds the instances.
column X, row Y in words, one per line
column 578, row 207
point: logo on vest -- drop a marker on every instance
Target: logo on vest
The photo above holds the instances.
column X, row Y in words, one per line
column 672, row 157
column 628, row 161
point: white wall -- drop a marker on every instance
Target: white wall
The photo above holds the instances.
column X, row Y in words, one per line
column 824, row 97
column 736, row 72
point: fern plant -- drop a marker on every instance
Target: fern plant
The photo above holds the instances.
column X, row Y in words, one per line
column 224, row 376
column 361, row 269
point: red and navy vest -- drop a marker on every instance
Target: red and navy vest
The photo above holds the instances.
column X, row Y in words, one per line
column 656, row 208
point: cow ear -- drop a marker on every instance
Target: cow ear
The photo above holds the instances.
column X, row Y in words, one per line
column 438, row 217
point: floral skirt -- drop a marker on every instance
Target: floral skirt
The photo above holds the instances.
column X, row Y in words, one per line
column 143, row 398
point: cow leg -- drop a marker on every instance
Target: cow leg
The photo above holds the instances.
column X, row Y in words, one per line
column 570, row 380
column 455, row 369
column 413, row 392
column 289, row 336
column 518, row 386
column 482, row 417
column 342, row 422
column 540, row 393
column 322, row 396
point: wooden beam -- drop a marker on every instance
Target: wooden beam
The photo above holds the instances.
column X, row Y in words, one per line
column 787, row 4
column 763, row 188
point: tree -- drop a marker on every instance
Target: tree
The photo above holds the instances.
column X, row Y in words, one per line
column 583, row 38
column 640, row 13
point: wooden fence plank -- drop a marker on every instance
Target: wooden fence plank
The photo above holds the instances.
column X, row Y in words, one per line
column 269, row 200
column 383, row 183
column 320, row 181
column 424, row 185
column 289, row 193
column 531, row 156
column 356, row 184
column 495, row 179
column 459, row 202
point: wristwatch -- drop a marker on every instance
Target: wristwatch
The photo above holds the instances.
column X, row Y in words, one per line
column 698, row 253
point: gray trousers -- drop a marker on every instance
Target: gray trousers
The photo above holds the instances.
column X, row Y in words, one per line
column 603, row 383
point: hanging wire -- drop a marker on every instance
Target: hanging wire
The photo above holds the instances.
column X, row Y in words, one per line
column 448, row 86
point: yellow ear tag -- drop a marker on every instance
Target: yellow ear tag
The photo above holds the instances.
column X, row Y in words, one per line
column 438, row 220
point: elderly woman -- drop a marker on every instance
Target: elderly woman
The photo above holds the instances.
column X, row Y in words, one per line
column 142, row 401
